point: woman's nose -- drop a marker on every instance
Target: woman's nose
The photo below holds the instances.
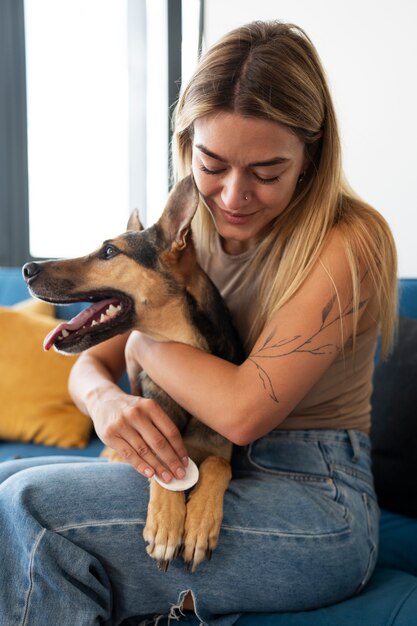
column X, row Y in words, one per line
column 234, row 195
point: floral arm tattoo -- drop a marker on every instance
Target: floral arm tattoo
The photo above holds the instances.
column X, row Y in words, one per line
column 272, row 349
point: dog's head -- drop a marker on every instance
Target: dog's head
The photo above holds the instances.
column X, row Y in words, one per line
column 136, row 280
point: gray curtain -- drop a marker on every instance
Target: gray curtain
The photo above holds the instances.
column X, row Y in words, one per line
column 14, row 216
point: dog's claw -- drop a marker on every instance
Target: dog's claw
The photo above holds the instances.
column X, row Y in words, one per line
column 188, row 566
column 178, row 551
column 162, row 565
column 194, row 559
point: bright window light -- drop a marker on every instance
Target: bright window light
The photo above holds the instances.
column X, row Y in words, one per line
column 156, row 109
column 78, row 123
column 190, row 34
column 157, row 153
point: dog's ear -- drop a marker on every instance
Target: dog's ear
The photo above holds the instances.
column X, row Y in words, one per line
column 179, row 211
column 134, row 222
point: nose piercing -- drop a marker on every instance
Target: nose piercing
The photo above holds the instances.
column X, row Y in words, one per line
column 246, row 197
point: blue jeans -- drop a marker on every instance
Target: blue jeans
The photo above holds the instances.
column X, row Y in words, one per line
column 300, row 531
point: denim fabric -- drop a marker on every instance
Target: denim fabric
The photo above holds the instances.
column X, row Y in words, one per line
column 300, row 531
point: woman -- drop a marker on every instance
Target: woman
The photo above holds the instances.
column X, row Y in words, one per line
column 309, row 273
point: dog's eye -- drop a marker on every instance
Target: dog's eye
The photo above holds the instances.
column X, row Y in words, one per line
column 108, row 251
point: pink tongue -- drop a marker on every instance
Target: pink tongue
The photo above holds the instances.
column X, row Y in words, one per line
column 77, row 322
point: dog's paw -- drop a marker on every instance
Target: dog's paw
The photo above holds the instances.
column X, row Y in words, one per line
column 205, row 511
column 164, row 527
column 202, row 529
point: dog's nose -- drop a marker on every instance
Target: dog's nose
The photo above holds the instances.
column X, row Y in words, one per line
column 30, row 270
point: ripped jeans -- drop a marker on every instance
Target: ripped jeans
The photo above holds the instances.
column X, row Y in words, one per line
column 300, row 531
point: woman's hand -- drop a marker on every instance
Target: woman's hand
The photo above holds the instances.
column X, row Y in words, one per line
column 141, row 433
column 134, row 427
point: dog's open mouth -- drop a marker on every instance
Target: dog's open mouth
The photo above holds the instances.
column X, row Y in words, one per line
column 104, row 317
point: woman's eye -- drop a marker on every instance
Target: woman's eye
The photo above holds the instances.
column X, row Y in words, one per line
column 206, row 170
column 263, row 180
column 267, row 181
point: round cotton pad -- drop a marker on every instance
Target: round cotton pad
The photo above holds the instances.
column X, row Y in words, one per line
column 190, row 479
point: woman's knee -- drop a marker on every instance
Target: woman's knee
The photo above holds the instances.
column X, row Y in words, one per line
column 27, row 488
column 76, row 493
column 46, row 492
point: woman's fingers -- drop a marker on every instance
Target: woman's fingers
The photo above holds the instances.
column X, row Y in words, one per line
column 170, row 433
column 165, row 451
column 139, row 455
column 147, row 438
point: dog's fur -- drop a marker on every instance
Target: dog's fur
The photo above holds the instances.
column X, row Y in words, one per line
column 164, row 293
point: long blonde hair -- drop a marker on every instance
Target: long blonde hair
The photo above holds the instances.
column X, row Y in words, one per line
column 271, row 70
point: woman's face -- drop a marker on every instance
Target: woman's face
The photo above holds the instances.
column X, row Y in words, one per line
column 247, row 170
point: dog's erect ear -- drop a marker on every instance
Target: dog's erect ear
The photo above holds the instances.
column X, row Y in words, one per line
column 179, row 211
column 134, row 222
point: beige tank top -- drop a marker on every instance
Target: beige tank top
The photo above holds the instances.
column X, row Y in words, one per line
column 341, row 398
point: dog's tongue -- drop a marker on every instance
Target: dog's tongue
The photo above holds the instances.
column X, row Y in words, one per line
column 77, row 322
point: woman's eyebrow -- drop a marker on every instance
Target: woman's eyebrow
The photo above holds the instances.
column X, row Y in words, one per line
column 274, row 161
column 210, row 153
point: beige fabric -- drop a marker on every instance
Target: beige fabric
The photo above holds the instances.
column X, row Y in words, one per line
column 341, row 399
column 227, row 273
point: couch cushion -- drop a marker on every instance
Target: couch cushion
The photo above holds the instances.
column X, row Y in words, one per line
column 398, row 545
column 408, row 297
column 394, row 424
column 389, row 598
column 35, row 403
column 12, row 286
column 10, row 450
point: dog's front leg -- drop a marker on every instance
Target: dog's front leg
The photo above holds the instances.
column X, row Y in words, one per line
column 205, row 511
column 164, row 527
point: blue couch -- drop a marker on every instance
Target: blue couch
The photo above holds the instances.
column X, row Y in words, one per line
column 390, row 598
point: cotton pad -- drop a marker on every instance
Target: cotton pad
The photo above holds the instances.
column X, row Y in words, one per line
column 189, row 480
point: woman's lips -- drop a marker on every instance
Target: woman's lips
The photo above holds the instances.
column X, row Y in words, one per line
column 236, row 218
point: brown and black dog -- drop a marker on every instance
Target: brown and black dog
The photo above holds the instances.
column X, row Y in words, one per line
column 150, row 280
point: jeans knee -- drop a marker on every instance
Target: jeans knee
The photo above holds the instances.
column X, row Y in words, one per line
column 14, row 486
column 24, row 492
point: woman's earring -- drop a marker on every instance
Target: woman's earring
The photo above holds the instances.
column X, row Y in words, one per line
column 301, row 177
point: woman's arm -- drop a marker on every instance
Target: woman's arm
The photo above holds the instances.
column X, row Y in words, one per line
column 136, row 428
column 96, row 372
column 293, row 351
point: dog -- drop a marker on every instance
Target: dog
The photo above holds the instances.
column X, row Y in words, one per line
column 150, row 280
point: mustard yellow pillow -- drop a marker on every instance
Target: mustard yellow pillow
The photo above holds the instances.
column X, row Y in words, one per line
column 31, row 305
column 34, row 401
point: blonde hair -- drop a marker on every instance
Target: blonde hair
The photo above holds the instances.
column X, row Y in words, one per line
column 271, row 70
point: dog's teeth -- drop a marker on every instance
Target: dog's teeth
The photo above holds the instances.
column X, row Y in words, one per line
column 111, row 311
column 94, row 323
column 64, row 333
column 103, row 318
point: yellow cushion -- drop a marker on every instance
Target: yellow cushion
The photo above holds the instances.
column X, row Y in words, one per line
column 31, row 305
column 34, row 401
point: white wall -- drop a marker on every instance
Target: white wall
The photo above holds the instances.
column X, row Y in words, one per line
column 369, row 50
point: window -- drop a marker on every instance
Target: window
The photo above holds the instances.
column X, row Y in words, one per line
column 78, row 123
column 88, row 86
